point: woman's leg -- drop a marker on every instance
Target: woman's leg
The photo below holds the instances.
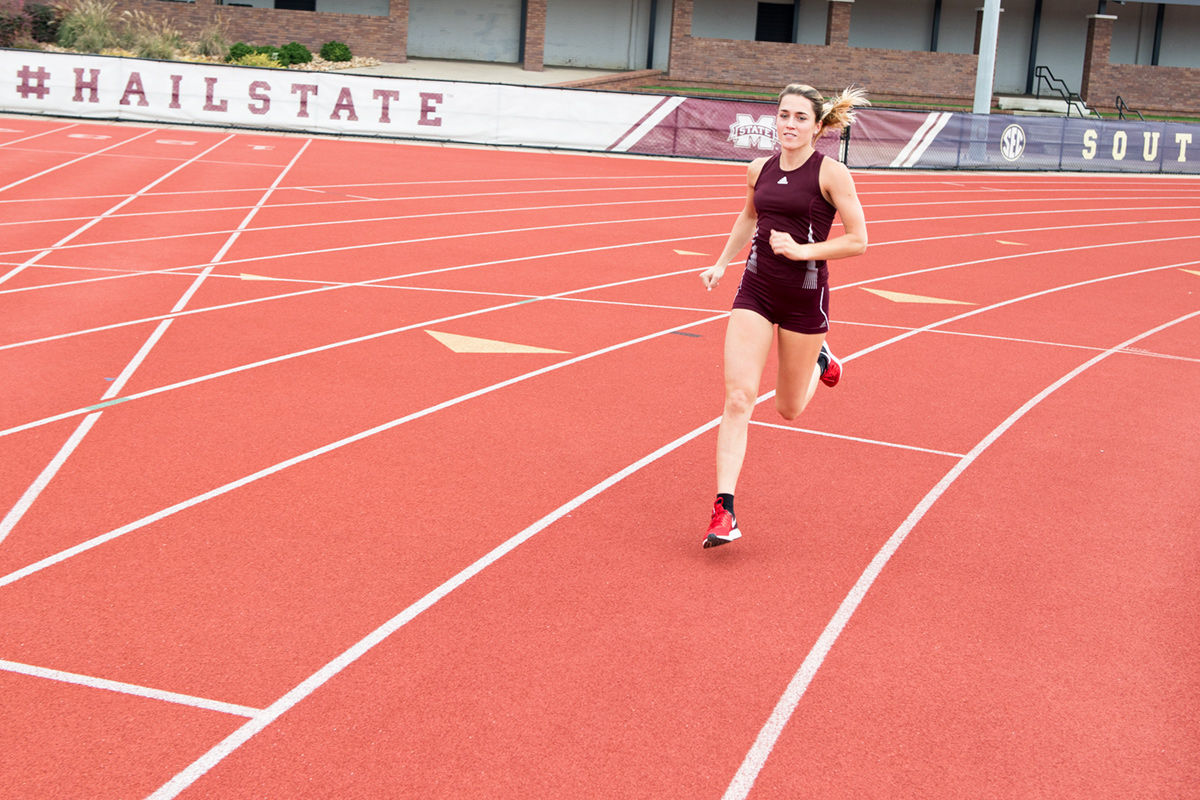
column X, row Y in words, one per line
column 747, row 345
column 798, row 371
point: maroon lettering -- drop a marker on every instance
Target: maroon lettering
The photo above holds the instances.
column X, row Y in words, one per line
column 28, row 78
column 345, row 102
column 134, row 86
column 92, row 83
column 210, row 103
column 256, row 93
column 176, row 80
column 304, row 90
column 428, row 99
column 387, row 96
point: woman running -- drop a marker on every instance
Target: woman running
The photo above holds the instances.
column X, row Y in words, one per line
column 791, row 200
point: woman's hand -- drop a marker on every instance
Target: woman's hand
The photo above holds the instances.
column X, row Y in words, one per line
column 782, row 244
column 712, row 276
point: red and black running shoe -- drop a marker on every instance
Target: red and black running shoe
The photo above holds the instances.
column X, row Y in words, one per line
column 723, row 528
column 833, row 370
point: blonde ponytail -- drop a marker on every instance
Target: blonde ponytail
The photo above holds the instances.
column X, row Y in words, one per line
column 836, row 112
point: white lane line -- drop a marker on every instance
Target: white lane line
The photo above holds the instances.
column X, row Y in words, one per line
column 973, row 234
column 38, row 135
column 523, row 300
column 96, row 220
column 1003, row 303
column 76, row 160
column 47, row 474
column 812, row 432
column 907, row 332
column 291, row 462
column 874, row 187
column 335, row 287
column 679, row 199
column 31, row 493
column 226, row 747
column 271, row 298
column 239, row 737
column 398, row 242
column 870, row 206
column 401, row 218
column 1008, row 257
column 756, row 758
column 1018, row 340
column 128, row 688
column 229, row 487
column 574, row 180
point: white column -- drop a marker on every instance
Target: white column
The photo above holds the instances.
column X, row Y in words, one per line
column 987, row 56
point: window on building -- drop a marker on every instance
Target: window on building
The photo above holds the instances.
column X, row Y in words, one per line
column 297, row 5
column 775, row 21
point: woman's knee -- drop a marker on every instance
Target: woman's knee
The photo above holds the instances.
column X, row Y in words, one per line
column 739, row 401
column 789, row 408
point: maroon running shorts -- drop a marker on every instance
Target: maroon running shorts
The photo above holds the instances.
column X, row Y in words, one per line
column 785, row 304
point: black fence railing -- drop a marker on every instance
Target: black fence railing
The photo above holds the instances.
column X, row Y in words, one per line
column 1059, row 87
column 1122, row 109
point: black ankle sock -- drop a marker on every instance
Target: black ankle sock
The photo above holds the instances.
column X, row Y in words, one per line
column 726, row 502
column 823, row 361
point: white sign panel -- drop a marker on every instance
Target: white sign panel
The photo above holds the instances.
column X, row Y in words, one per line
column 101, row 87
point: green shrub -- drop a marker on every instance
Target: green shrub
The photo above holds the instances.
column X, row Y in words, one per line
column 294, row 53
column 335, row 51
column 237, row 51
column 44, row 20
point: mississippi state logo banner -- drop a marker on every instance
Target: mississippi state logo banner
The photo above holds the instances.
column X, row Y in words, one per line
column 142, row 90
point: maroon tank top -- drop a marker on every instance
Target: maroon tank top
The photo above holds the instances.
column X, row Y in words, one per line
column 791, row 202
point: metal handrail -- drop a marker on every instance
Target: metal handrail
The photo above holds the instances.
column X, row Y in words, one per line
column 1058, row 85
column 1122, row 108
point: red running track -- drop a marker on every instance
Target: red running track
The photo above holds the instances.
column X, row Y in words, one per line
column 265, row 535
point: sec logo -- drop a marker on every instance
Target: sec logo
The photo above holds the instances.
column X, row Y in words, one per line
column 1012, row 142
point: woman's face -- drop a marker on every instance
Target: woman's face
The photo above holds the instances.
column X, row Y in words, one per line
column 795, row 123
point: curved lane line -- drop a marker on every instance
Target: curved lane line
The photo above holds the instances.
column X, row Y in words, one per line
column 563, row 295
column 757, row 758
column 440, row 270
column 743, row 781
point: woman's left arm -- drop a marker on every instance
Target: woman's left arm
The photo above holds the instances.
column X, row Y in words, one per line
column 838, row 187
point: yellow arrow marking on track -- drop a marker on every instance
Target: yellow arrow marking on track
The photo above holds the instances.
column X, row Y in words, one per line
column 470, row 344
column 246, row 276
column 1192, row 271
column 689, row 253
column 1018, row 244
column 899, row 297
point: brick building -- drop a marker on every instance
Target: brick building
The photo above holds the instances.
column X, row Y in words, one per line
column 912, row 50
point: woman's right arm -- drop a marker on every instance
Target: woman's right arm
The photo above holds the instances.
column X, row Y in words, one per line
column 743, row 229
